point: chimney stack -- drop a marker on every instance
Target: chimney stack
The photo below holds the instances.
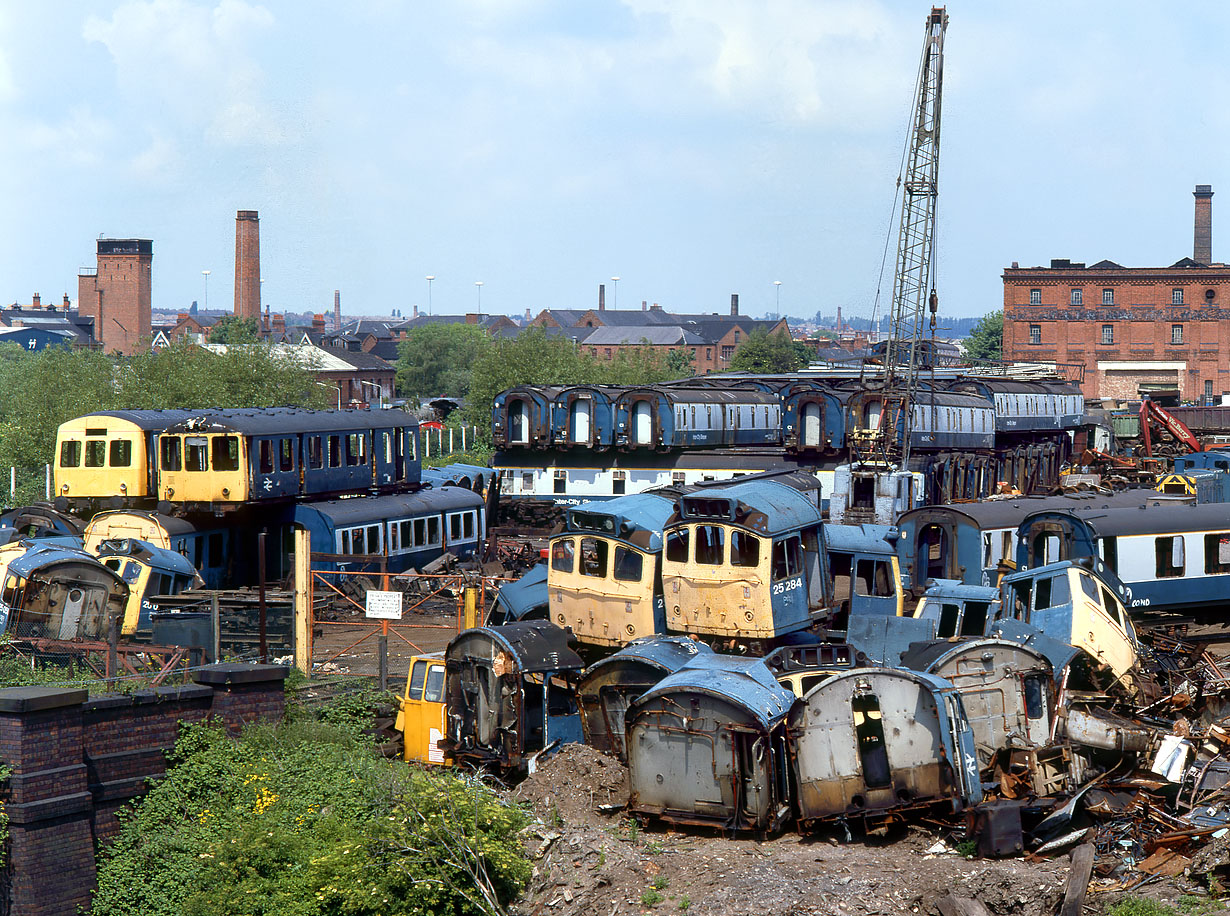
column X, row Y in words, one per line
column 734, row 304
column 644, row 305
column 66, row 302
column 279, row 324
column 337, row 310
column 1202, row 250
column 528, row 316
column 415, row 313
column 36, row 302
column 318, row 323
column 602, row 297
column 247, row 265
column 839, row 321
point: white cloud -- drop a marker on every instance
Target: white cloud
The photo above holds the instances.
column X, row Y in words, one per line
column 158, row 162
column 191, row 63
column 78, row 140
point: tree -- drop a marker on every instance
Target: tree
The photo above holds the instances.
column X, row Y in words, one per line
column 774, row 353
column 438, row 359
column 986, row 340
column 231, row 329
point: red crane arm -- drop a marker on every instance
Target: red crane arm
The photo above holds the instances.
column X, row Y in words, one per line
column 1151, row 413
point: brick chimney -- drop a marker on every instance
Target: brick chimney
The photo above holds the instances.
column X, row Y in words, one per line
column 67, row 304
column 734, row 303
column 602, row 297
column 337, row 310
column 415, row 313
column 35, row 303
column 318, row 323
column 1202, row 250
column 528, row 316
column 182, row 316
column 644, row 305
column 278, row 324
column 248, row 264
column 471, row 317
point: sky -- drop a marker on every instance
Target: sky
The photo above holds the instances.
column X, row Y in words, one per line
column 692, row 148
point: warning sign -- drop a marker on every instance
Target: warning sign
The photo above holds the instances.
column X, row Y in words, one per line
column 384, row 605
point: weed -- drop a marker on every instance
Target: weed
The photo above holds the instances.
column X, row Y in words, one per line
column 651, row 898
column 555, row 819
column 685, row 902
column 660, row 882
column 634, row 829
column 653, row 847
column 967, row 848
column 1191, row 905
column 1140, row 906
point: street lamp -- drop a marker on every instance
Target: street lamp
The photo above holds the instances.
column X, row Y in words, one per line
column 614, row 292
column 479, row 284
column 205, row 274
column 778, row 284
column 379, row 390
column 430, row 277
column 337, row 388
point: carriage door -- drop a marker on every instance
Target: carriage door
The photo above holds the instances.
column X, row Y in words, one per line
column 518, row 423
column 869, row 736
column 614, row 703
column 932, row 562
column 871, row 415
column 811, row 425
column 70, row 618
column 582, row 415
column 642, row 424
column 753, row 776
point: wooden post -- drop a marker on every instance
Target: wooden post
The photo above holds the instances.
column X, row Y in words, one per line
column 1078, row 880
column 215, row 617
column 469, row 618
column 260, row 571
column 303, row 601
column 450, row 440
column 382, row 643
column 113, row 648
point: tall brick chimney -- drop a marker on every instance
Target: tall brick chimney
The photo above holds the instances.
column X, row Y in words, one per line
column 644, row 305
column 35, row 302
column 602, row 297
column 247, row 265
column 1202, row 249
column 734, row 303
column 337, row 310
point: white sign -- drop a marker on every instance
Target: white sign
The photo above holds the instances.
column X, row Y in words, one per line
column 384, row 605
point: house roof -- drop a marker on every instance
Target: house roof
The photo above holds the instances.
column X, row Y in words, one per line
column 660, row 336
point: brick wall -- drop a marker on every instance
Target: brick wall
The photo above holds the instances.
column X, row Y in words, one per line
column 124, row 301
column 76, row 761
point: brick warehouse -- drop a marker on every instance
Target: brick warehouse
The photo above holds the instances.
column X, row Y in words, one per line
column 1147, row 330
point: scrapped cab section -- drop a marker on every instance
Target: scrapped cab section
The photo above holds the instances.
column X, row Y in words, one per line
column 48, row 591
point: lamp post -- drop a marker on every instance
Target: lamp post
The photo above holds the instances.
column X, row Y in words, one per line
column 430, row 277
column 778, row 285
column 614, row 292
column 379, row 390
column 479, row 284
column 337, row 388
column 205, row 274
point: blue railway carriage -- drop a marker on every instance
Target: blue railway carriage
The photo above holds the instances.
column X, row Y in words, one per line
column 744, row 561
column 605, row 577
column 106, row 459
column 864, row 571
column 671, row 418
column 522, row 417
column 402, row 530
column 871, row 743
column 583, row 416
column 814, row 419
column 211, row 550
column 707, row 745
column 939, row 421
column 1171, row 559
column 219, row 460
column 1028, row 407
column 610, row 685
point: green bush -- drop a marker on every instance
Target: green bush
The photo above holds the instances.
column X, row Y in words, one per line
column 304, row 819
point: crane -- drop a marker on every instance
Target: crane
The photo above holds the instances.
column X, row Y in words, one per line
column 1150, row 414
column 915, row 265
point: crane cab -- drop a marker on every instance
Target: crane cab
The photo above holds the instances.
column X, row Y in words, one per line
column 421, row 711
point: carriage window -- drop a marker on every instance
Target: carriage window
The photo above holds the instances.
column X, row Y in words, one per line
column 406, row 534
column 266, row 456
column 1051, row 592
column 949, row 615
column 454, row 527
column 677, row 546
column 394, row 541
column 874, row 579
column 1033, row 696
column 628, row 565
column 434, row 691
column 974, row 623
column 226, row 453
column 420, row 532
column 1169, row 552
column 286, row 453
column 1089, row 587
column 348, row 542
column 744, row 549
column 354, row 449
column 593, row 557
column 1217, row 553
column 869, row 735
column 1108, row 550
column 70, row 453
column 562, row 555
column 619, row 483
column 388, row 447
column 1109, row 602
column 418, row 674
column 335, row 451
column 433, row 530
column 316, row 457
column 787, row 558
column 95, row 453
column 196, row 454
column 373, row 539
column 121, row 453
column 710, row 540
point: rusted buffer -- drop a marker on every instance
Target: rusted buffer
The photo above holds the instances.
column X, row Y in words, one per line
column 707, row 746
column 875, row 742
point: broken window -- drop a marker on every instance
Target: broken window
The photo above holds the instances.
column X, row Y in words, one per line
column 121, row 453
column 787, row 557
column 628, row 565
column 562, row 555
column 710, row 544
column 95, row 453
column 335, row 451
column 226, row 453
column 266, row 456
column 354, row 449
column 869, row 734
column 744, row 549
column 1169, row 553
column 873, row 579
column 196, row 454
column 677, row 545
column 316, row 457
column 1217, row 553
column 1051, row 592
column 950, row 616
column 593, row 557
column 286, row 454
column 974, row 622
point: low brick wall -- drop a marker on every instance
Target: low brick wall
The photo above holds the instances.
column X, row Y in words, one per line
column 75, row 762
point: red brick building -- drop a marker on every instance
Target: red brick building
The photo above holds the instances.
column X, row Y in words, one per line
column 1136, row 330
column 117, row 293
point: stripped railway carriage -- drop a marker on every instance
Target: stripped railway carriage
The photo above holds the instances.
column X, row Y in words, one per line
column 707, row 745
column 509, row 693
column 814, row 419
column 220, row 460
column 673, row 418
column 211, row 550
column 1026, row 408
column 48, row 591
column 970, row 542
column 38, row 520
column 147, row 571
column 605, row 577
column 1171, row 559
column 397, row 531
column 106, row 459
column 939, row 420
column 583, row 416
column 523, row 417
column 744, row 561
column 1007, row 689
column 610, row 685
column 871, row 742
